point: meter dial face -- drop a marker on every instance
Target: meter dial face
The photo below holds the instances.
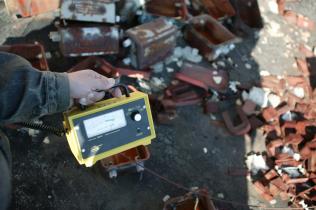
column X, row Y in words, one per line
column 105, row 123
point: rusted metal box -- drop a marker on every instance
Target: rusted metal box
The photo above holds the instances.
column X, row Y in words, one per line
column 134, row 157
column 89, row 10
column 209, row 36
column 77, row 41
column 194, row 200
column 203, row 77
column 151, row 42
column 28, row 8
column 215, row 8
column 169, row 8
column 34, row 53
column 249, row 12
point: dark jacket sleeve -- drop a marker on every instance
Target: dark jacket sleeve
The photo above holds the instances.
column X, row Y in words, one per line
column 27, row 93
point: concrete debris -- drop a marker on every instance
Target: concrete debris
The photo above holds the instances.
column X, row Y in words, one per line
column 46, row 140
column 157, row 81
column 169, row 70
column 224, row 50
column 179, row 64
column 33, row 133
column 213, row 117
column 274, row 29
column 158, row 67
column 221, row 63
column 230, row 60
column 258, row 96
column 127, row 61
column 288, row 116
column 233, row 85
column 127, row 43
column 217, row 79
column 256, row 163
column 273, row 6
column 248, row 66
column 192, row 54
column 167, row 197
column 220, row 195
column 187, row 53
column 299, row 92
column 274, row 100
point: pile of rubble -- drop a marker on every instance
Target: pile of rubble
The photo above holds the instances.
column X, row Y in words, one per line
column 293, row 17
column 288, row 120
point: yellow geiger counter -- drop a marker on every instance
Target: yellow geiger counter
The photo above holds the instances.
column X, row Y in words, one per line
column 109, row 127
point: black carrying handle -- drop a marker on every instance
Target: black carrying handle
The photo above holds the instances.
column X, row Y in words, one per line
column 124, row 87
column 107, row 94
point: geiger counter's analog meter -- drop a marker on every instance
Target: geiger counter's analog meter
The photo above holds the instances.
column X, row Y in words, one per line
column 105, row 123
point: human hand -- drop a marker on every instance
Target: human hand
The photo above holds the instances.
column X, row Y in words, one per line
column 88, row 86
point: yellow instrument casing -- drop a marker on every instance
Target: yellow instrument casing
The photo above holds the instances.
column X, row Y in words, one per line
column 109, row 127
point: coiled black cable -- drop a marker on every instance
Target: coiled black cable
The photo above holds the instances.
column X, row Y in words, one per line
column 43, row 127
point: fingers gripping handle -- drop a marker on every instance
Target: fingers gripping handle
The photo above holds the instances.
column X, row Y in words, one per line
column 123, row 88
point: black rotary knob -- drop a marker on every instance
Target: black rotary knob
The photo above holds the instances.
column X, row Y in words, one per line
column 136, row 116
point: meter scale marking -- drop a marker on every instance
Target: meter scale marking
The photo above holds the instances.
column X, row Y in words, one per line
column 105, row 123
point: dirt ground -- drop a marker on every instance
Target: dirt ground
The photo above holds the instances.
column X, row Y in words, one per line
column 46, row 176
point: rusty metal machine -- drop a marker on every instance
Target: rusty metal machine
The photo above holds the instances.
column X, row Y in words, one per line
column 88, row 10
column 77, row 41
column 209, row 36
column 132, row 158
column 151, row 42
column 34, row 53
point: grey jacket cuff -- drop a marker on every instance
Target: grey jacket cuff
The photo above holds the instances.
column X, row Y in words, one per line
column 58, row 92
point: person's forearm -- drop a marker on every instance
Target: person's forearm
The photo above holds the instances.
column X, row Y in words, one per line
column 26, row 93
